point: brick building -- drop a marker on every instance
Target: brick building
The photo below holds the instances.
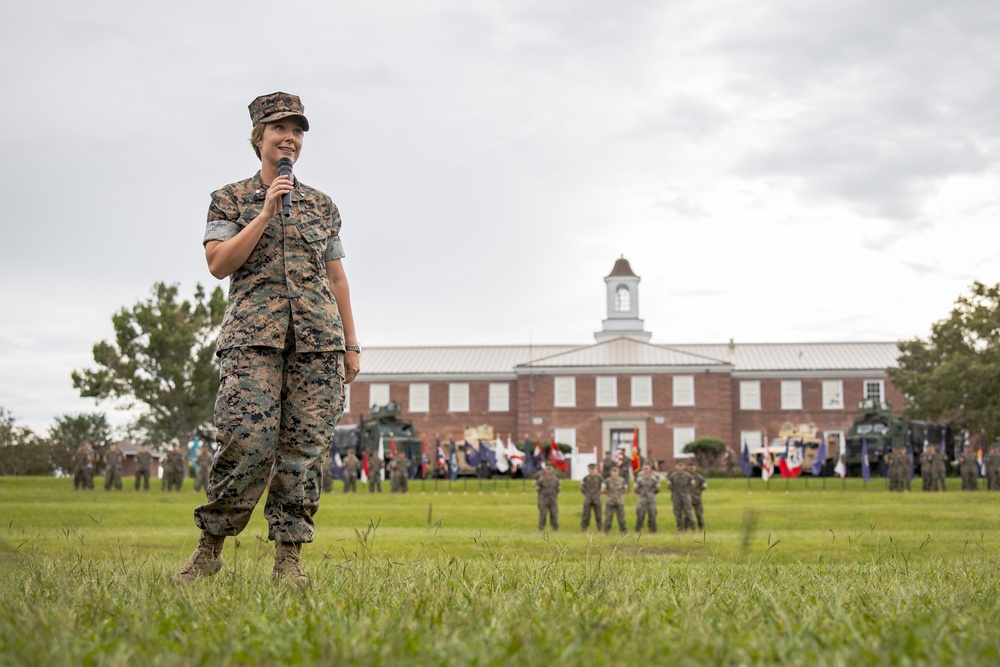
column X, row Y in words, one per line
column 593, row 396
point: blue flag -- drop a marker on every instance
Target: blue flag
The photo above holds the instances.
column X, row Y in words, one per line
column 529, row 461
column 337, row 465
column 866, row 469
column 745, row 466
column 487, row 454
column 471, row 455
column 909, row 456
column 820, row 461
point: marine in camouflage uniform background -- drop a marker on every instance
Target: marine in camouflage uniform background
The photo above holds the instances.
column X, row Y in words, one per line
column 547, row 485
column 647, row 485
column 173, row 471
column 113, row 468
column 375, row 466
column 970, row 469
column 142, row 461
column 352, row 469
column 680, row 483
column 992, row 462
column 939, row 470
column 927, row 469
column 698, row 485
column 400, row 474
column 590, row 487
column 282, row 347
column 83, row 467
column 204, row 463
column 615, row 489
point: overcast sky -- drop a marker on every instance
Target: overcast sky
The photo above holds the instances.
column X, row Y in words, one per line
column 780, row 170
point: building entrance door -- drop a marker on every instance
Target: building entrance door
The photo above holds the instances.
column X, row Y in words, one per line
column 621, row 438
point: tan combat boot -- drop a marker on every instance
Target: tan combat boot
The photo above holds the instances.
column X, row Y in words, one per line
column 204, row 562
column 286, row 563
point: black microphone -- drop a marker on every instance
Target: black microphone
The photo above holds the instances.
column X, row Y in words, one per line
column 285, row 169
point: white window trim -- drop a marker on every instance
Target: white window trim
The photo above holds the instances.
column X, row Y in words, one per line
column 648, row 390
column 678, row 445
column 497, row 403
column 786, row 404
column 746, row 404
column 455, row 391
column 677, row 400
column 881, row 388
column 611, row 384
column 569, row 388
column 840, row 394
column 753, row 439
column 378, row 388
column 420, row 403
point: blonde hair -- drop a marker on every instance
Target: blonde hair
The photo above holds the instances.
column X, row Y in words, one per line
column 257, row 136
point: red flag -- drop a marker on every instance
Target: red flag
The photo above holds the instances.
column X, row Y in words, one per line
column 364, row 463
column 557, row 458
column 636, row 464
column 538, row 460
column 392, row 446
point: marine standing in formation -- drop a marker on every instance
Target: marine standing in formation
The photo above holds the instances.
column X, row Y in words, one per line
column 287, row 346
column 615, row 489
column 547, row 485
column 401, row 474
column 375, row 474
column 83, row 467
column 352, row 468
column 992, row 463
column 680, row 483
column 173, row 472
column 927, row 469
column 142, row 460
column 698, row 484
column 970, row 469
column 113, row 468
column 204, row 463
column 590, row 487
column 939, row 470
column 899, row 469
column 647, row 485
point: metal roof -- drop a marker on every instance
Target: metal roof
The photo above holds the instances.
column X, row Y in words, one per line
column 621, row 352
column 744, row 357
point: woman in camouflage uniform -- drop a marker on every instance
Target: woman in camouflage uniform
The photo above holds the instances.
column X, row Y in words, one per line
column 287, row 347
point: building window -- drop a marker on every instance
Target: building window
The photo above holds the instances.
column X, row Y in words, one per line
column 499, row 397
column 752, row 439
column 566, row 436
column 683, row 390
column 833, row 442
column 378, row 394
column 420, row 398
column 458, row 397
column 791, row 394
column 347, row 398
column 623, row 299
column 682, row 436
column 833, row 394
column 565, row 392
column 875, row 389
column 642, row 391
column 607, row 392
column 750, row 395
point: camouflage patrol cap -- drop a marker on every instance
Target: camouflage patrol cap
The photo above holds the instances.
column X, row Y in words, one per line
column 269, row 108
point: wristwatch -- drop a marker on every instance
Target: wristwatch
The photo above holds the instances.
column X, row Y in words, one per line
column 353, row 348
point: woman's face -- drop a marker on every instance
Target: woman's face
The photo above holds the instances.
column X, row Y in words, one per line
column 282, row 138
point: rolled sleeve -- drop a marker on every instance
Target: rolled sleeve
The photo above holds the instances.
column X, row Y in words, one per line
column 222, row 230
column 334, row 249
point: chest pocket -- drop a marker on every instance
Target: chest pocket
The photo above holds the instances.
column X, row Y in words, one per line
column 315, row 237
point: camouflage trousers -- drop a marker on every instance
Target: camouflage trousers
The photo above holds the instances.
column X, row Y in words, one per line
column 350, row 483
column 682, row 512
column 375, row 483
column 548, row 507
column 699, row 512
column 201, row 481
column 113, row 479
column 591, row 505
column 142, row 475
column 646, row 507
column 612, row 510
column 275, row 414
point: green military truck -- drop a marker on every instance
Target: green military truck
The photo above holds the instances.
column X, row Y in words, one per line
column 882, row 431
column 363, row 436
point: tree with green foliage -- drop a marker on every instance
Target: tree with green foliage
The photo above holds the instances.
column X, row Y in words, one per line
column 163, row 357
column 706, row 450
column 21, row 451
column 71, row 431
column 954, row 375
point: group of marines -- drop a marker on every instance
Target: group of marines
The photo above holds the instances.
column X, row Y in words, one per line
column 174, row 467
column 398, row 468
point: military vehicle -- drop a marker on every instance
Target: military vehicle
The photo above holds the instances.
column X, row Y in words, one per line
column 882, row 431
column 383, row 421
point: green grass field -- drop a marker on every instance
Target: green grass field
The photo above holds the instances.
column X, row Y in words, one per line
column 809, row 576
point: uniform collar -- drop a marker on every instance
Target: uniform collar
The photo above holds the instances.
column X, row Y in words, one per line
column 260, row 190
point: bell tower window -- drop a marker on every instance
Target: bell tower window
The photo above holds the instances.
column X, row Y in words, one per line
column 623, row 299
